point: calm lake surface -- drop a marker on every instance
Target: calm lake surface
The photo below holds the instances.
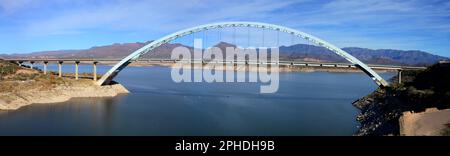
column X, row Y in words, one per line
column 317, row 103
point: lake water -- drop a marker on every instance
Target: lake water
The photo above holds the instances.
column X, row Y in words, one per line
column 317, row 103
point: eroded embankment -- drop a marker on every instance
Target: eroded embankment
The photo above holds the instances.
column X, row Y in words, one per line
column 420, row 90
column 20, row 86
column 59, row 93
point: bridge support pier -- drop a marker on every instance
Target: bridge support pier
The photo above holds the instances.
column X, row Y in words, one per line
column 76, row 69
column 45, row 67
column 31, row 64
column 94, row 73
column 60, row 68
column 399, row 76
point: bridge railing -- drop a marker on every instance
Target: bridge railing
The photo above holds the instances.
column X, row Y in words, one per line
column 289, row 63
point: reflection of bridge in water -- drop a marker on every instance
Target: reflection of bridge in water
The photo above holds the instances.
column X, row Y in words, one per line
column 353, row 62
column 94, row 62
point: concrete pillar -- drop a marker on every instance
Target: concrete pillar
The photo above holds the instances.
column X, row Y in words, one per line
column 60, row 68
column 399, row 76
column 31, row 64
column 45, row 67
column 76, row 69
column 95, row 70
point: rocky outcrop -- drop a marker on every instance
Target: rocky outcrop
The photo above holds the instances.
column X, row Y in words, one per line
column 420, row 90
column 379, row 114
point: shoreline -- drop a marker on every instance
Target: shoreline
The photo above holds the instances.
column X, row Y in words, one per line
column 68, row 88
column 419, row 105
column 253, row 68
column 60, row 93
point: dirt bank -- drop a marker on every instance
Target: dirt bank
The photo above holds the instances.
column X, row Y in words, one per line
column 420, row 90
column 21, row 86
column 60, row 93
column 431, row 122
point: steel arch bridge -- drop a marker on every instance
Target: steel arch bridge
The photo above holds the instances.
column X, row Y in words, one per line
column 108, row 76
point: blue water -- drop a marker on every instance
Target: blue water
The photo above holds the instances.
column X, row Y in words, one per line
column 317, row 103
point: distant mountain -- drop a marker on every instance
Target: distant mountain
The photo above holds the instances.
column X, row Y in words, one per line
column 41, row 54
column 302, row 52
column 409, row 57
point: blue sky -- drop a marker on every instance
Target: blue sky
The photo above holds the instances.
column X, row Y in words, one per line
column 37, row 25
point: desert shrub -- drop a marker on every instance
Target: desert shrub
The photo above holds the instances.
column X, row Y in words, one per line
column 7, row 68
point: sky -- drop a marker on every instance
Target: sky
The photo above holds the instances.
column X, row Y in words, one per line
column 39, row 25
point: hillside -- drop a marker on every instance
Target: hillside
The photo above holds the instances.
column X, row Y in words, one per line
column 20, row 86
column 420, row 90
column 294, row 52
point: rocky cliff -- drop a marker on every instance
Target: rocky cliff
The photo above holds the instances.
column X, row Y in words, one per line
column 381, row 110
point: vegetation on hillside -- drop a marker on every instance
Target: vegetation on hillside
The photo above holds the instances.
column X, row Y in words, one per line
column 14, row 78
column 7, row 68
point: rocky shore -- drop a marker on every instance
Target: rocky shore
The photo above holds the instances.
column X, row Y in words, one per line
column 381, row 110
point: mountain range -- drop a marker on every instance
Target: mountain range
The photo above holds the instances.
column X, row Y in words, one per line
column 303, row 52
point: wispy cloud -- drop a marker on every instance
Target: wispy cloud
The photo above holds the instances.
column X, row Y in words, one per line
column 158, row 15
column 410, row 24
column 10, row 6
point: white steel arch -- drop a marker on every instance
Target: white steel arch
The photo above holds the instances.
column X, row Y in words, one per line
column 106, row 79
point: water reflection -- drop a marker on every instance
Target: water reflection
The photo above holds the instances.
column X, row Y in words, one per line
column 72, row 117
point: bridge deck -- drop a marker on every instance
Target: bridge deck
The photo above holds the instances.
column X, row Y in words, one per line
column 294, row 63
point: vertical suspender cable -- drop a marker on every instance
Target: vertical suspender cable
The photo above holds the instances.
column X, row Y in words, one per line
column 234, row 36
column 278, row 38
column 206, row 38
column 220, row 35
column 248, row 37
column 263, row 37
column 292, row 40
column 203, row 40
